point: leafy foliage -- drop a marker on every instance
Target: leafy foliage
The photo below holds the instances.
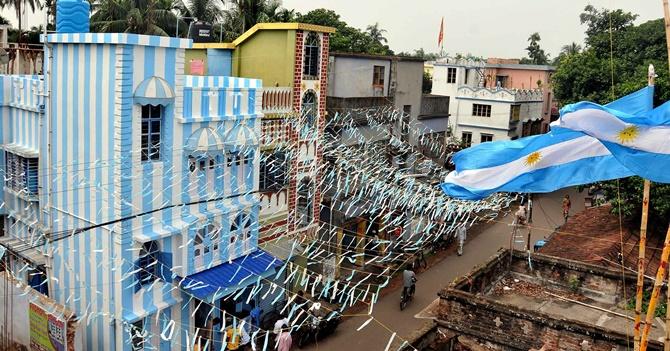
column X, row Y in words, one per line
column 587, row 75
column 421, row 53
column 151, row 17
column 19, row 7
column 661, row 307
column 626, row 194
column 346, row 38
column 204, row 10
column 536, row 55
column 427, row 84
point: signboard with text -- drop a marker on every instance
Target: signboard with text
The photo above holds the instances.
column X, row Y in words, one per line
column 47, row 331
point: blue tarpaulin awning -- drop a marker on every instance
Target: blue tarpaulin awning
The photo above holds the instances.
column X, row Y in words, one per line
column 236, row 274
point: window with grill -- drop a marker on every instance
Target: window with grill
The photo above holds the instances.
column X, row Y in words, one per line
column 22, row 174
column 137, row 335
column 152, row 120
column 248, row 157
column 232, row 158
column 308, row 115
column 378, row 76
column 466, row 139
column 148, row 263
column 486, row 137
column 451, row 75
column 312, row 52
column 273, row 171
column 481, row 110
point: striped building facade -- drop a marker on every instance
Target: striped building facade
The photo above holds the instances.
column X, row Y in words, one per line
column 133, row 181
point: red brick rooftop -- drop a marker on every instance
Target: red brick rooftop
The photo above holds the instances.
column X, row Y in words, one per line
column 593, row 236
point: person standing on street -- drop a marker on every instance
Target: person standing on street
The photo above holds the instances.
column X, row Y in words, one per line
column 461, row 235
column 566, row 207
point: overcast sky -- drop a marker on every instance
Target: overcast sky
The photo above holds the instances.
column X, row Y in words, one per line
column 489, row 28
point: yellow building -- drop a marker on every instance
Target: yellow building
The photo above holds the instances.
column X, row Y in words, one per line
column 292, row 61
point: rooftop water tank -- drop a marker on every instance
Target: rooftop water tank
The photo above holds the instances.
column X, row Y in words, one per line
column 72, row 16
column 201, row 32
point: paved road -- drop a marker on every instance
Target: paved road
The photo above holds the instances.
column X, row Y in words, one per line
column 546, row 215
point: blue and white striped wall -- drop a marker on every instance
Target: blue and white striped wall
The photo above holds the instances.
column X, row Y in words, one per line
column 96, row 175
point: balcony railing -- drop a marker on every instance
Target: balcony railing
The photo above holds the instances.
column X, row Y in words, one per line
column 277, row 100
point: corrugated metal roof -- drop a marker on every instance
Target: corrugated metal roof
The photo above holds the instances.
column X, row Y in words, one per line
column 238, row 273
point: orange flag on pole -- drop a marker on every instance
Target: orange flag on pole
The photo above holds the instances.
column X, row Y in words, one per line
column 440, row 38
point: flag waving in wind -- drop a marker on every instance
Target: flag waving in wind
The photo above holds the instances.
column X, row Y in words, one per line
column 541, row 163
column 440, row 37
column 639, row 141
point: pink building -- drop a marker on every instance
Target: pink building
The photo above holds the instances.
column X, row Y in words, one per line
column 510, row 74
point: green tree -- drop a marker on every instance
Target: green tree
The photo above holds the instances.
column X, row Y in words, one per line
column 427, row 84
column 151, row 17
column 346, row 38
column 421, row 53
column 606, row 69
column 4, row 20
column 209, row 11
column 376, row 33
column 536, row 55
column 244, row 14
column 571, row 49
column 19, row 7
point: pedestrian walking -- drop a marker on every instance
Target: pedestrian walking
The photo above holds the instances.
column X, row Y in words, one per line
column 520, row 215
column 461, row 235
column 566, row 207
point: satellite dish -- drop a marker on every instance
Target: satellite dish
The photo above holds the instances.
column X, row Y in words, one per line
column 4, row 57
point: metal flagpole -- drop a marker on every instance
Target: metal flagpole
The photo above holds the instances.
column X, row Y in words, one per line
column 642, row 247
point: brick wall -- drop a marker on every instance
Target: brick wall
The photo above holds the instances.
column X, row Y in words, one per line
column 325, row 51
column 293, row 131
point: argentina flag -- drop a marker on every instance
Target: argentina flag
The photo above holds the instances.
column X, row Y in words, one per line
column 541, row 163
column 639, row 141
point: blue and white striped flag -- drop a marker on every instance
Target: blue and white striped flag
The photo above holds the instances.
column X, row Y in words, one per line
column 541, row 163
column 640, row 142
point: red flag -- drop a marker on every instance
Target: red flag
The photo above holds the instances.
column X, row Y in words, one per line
column 441, row 36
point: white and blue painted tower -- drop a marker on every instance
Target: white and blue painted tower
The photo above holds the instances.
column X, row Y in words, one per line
column 130, row 187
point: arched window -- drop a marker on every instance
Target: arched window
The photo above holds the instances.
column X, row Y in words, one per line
column 214, row 233
column 308, row 113
column 246, row 232
column 199, row 243
column 305, row 208
column 148, row 263
column 312, row 52
column 237, row 222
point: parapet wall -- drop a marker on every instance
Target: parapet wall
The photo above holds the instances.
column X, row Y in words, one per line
column 465, row 307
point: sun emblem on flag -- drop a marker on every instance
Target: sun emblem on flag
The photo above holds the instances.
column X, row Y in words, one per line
column 533, row 158
column 628, row 134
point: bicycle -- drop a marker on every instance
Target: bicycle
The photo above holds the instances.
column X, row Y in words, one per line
column 420, row 260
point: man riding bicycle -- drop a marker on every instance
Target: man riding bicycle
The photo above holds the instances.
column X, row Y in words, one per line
column 409, row 280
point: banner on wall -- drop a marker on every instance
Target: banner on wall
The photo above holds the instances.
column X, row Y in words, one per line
column 47, row 331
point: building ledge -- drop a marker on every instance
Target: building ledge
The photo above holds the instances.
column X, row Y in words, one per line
column 433, row 116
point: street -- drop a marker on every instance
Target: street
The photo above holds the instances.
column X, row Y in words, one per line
column 546, row 217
